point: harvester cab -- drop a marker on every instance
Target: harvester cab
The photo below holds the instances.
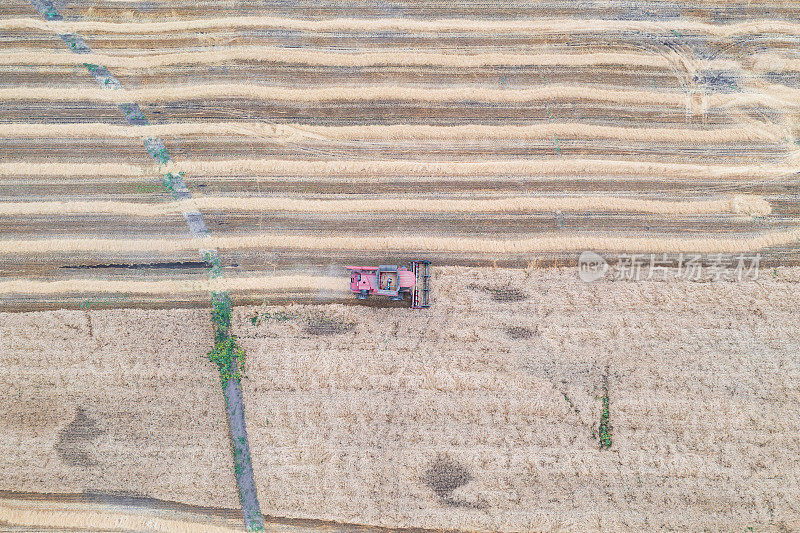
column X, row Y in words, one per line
column 393, row 281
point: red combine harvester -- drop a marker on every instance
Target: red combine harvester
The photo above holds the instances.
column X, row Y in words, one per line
column 393, row 281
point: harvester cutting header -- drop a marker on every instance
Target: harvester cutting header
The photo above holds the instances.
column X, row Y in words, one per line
column 393, row 281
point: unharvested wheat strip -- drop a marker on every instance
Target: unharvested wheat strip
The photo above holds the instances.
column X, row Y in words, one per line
column 268, row 283
column 775, row 63
column 177, row 93
column 772, row 94
column 558, row 26
column 549, row 93
column 577, row 168
column 759, row 92
column 70, row 169
column 295, row 132
column 409, row 243
column 404, row 169
column 532, row 132
column 41, row 519
column 400, row 57
column 742, row 204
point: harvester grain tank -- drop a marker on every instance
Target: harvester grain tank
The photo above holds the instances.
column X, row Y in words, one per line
column 393, row 281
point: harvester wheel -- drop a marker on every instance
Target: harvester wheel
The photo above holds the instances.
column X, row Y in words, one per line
column 362, row 295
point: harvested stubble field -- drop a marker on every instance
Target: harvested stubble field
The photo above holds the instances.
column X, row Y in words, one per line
column 482, row 413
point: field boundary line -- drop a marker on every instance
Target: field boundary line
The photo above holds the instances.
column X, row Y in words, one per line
column 193, row 514
column 64, row 518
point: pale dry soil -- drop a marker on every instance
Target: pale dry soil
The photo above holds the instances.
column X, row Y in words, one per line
column 481, row 413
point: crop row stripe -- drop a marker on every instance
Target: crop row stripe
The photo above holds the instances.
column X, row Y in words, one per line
column 358, row 58
column 402, row 169
column 492, row 26
column 410, row 243
column 782, row 99
column 740, row 204
column 293, row 132
column 249, row 283
column 176, row 93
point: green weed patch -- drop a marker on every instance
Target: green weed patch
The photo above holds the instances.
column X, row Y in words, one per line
column 605, row 426
column 604, row 431
column 280, row 316
column 226, row 354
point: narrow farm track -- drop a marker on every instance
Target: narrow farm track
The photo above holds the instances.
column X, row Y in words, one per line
column 410, row 118
column 70, row 513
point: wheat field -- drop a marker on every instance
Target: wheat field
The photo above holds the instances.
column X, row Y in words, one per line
column 154, row 151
